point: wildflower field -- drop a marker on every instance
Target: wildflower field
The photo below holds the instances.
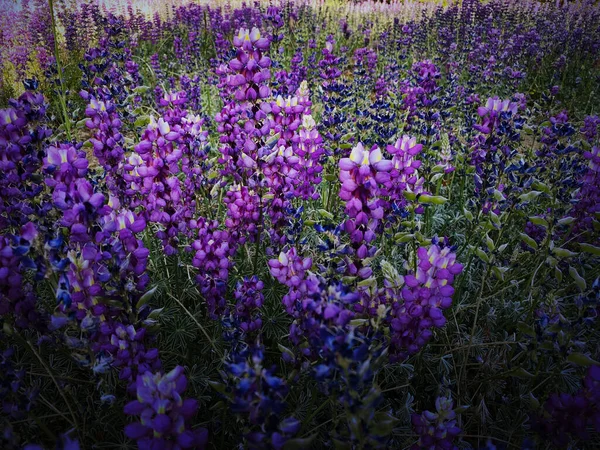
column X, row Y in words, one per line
column 300, row 224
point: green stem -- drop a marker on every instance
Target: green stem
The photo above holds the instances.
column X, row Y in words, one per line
column 258, row 233
column 212, row 343
column 62, row 97
column 315, row 412
column 474, row 327
column 329, row 194
column 60, row 390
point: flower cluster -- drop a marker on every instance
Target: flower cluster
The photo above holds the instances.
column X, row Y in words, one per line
column 126, row 346
column 364, row 176
column 588, row 206
column 404, row 173
column 17, row 296
column 424, row 296
column 17, row 399
column 165, row 416
column 436, row 429
column 566, row 417
column 213, row 252
column 361, row 176
column 260, row 395
column 243, row 212
column 22, row 132
column 248, row 300
column 493, row 154
column 156, row 163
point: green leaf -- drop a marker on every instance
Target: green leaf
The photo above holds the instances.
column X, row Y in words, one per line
column 436, row 177
column 219, row 406
column 563, row 252
column 483, row 255
column 495, row 218
column 529, row 241
column 325, row 214
column 155, row 313
column 146, row 297
column 534, row 402
column 299, row 443
column 566, row 221
column 358, row 322
column 371, row 281
column 490, row 243
column 390, row 273
column 529, row 196
column 499, row 272
column 525, row 328
column 272, row 140
column 521, row 373
column 468, row 214
column 541, row 186
column 461, row 409
column 579, row 281
column 142, row 121
column 383, row 424
column 341, row 445
column 537, row 220
column 219, row 387
column 432, row 199
column 558, row 274
column 499, row 196
column 141, row 89
column 588, row 248
column 582, row 360
column 411, row 196
column 285, row 350
column 403, row 237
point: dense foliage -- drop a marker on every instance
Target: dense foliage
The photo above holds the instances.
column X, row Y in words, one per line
column 300, row 225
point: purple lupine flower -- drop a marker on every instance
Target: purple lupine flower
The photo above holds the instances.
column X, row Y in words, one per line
column 248, row 300
column 361, row 174
column 588, row 206
column 258, row 394
column 243, row 212
column 436, row 429
column 404, row 175
column 164, row 416
column 490, row 113
column 154, row 172
column 126, row 346
column 591, row 124
column 65, row 163
column 244, row 81
column 22, row 133
column 364, row 176
column 424, row 296
column 213, row 251
column 566, row 417
column 15, row 397
column 290, row 268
